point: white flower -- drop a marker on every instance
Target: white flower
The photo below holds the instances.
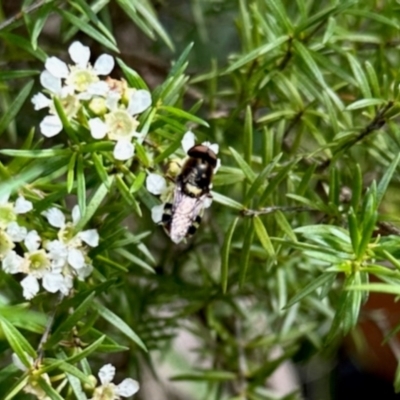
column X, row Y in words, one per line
column 22, row 205
column 139, row 101
column 30, row 286
column 55, row 217
column 12, row 263
column 119, row 124
column 108, row 390
column 156, row 184
column 213, row 146
column 123, row 150
column 80, row 76
column 15, row 232
column 68, row 249
column 39, row 101
column 157, row 213
column 188, row 141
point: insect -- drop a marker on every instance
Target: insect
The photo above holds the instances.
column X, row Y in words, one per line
column 182, row 216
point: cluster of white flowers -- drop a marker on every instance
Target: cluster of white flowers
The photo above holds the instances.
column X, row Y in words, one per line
column 109, row 106
column 55, row 263
column 105, row 391
column 156, row 184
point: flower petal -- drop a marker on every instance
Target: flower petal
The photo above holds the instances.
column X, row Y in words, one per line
column 84, row 272
column 12, row 263
column 217, row 166
column 54, row 282
column 127, row 387
column 113, row 97
column 15, row 232
column 98, row 128
column 213, row 146
column 100, row 88
column 123, row 150
column 188, row 141
column 30, row 286
column 51, row 126
column 39, row 101
column 207, row 202
column 139, row 101
column 22, row 205
column 50, row 82
column 75, row 214
column 106, row 374
column 155, row 184
column 76, row 258
column 55, row 217
column 79, row 54
column 56, row 67
column 18, row 363
column 90, row 237
column 32, row 241
column 104, row 64
column 157, row 213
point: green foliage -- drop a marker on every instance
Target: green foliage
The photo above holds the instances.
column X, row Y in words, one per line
column 302, row 99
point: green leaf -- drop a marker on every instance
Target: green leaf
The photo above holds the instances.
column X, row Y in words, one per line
column 7, row 75
column 207, row 375
column 94, row 204
column 306, row 56
column 360, row 76
column 40, row 19
column 15, row 107
column 81, row 184
column 377, row 287
column 365, row 103
column 248, row 172
column 89, row 30
column 133, row 78
column 386, row 178
column 256, row 53
column 226, row 201
column 373, row 80
column 48, row 389
column 226, row 247
column 278, row 10
column 24, row 44
column 260, row 180
column 135, row 260
column 68, row 324
column 71, row 173
column 397, row 378
column 177, row 112
column 263, row 236
column 284, row 225
column 145, row 9
column 100, row 169
column 17, row 342
column 311, row 287
column 119, row 324
column 353, row 229
column 274, row 182
column 245, row 253
column 44, row 153
column 127, row 195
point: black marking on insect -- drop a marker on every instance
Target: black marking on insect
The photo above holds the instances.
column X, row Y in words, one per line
column 182, row 216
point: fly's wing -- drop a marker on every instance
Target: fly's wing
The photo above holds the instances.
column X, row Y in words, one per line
column 185, row 209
